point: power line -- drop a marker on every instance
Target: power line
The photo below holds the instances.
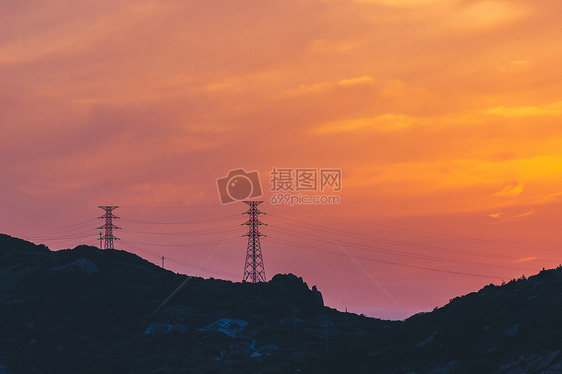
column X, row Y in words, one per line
column 135, row 248
column 185, row 245
column 193, row 232
column 194, row 222
column 354, row 223
column 186, row 280
column 389, row 241
column 376, row 282
column 308, row 247
column 372, row 248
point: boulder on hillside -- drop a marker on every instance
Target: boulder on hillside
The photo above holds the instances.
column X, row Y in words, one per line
column 83, row 265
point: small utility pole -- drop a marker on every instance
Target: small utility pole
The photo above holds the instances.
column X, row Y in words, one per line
column 163, row 258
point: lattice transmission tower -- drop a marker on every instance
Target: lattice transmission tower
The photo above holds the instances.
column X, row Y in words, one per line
column 254, row 270
column 108, row 238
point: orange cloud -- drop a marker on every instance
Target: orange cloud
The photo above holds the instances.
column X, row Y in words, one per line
column 525, row 214
column 512, row 190
column 303, row 88
column 554, row 109
column 488, row 14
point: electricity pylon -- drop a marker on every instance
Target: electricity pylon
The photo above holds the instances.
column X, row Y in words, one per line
column 254, row 270
column 109, row 226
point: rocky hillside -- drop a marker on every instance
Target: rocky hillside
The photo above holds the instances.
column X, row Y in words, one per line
column 91, row 311
column 509, row 329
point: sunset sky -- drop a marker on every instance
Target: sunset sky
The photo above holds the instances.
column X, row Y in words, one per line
column 451, row 170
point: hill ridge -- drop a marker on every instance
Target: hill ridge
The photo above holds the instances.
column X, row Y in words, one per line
column 59, row 320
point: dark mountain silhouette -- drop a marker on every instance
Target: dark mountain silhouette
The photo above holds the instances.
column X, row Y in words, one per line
column 90, row 311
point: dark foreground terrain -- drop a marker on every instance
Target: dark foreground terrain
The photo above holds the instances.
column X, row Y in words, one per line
column 90, row 311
